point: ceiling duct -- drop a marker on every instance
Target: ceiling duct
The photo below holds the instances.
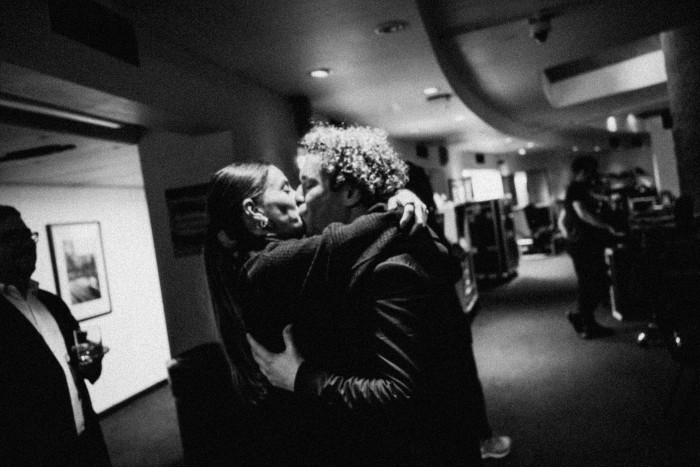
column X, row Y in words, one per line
column 38, row 151
column 632, row 67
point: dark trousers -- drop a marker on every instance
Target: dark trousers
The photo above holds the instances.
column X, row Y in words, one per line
column 90, row 450
column 592, row 274
column 482, row 428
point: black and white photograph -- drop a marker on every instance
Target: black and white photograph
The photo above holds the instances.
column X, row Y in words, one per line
column 350, row 233
column 81, row 276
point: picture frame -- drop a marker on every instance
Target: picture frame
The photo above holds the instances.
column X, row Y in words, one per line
column 79, row 268
column 187, row 208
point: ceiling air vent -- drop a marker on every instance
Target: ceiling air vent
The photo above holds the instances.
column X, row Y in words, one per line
column 446, row 96
column 635, row 66
column 37, row 152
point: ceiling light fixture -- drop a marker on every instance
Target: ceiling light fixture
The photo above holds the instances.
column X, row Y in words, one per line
column 574, row 148
column 530, row 145
column 460, row 118
column 51, row 111
column 430, row 91
column 596, row 148
column 320, row 73
column 390, row 27
column 522, row 151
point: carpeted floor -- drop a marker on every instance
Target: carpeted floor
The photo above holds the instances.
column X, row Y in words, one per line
column 570, row 402
column 564, row 401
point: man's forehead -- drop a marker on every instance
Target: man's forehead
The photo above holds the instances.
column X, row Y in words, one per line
column 311, row 169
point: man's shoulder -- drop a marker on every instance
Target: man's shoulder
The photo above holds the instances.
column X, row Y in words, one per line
column 54, row 304
column 46, row 296
column 425, row 259
column 577, row 190
column 402, row 260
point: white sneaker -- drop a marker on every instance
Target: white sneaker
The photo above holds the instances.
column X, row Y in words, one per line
column 495, row 447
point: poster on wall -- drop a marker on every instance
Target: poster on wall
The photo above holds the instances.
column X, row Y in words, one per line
column 188, row 218
column 79, row 268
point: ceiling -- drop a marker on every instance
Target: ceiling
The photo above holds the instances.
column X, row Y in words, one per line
column 477, row 51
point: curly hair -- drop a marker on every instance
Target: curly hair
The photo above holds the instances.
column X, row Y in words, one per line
column 359, row 156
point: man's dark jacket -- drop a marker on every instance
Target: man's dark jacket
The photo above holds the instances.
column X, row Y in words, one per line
column 38, row 426
column 385, row 376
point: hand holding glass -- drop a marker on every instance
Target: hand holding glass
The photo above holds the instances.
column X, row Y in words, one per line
column 88, row 345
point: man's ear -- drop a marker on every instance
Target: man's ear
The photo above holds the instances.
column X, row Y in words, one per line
column 351, row 197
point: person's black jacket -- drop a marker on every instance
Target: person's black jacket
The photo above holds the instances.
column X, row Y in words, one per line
column 384, row 379
column 37, row 424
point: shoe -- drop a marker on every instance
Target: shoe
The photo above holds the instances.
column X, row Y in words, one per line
column 495, row 447
column 576, row 321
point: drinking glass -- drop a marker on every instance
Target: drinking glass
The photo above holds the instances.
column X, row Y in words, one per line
column 88, row 344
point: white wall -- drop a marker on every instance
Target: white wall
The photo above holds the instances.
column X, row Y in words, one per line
column 135, row 329
column 172, row 161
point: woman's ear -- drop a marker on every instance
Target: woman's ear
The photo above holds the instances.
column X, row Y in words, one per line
column 249, row 208
column 253, row 215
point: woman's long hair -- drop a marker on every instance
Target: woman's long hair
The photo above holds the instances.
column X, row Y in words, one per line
column 228, row 188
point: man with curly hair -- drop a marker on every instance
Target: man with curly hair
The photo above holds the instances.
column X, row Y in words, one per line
column 389, row 375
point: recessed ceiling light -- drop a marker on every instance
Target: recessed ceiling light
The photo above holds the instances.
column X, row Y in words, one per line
column 611, row 124
column 574, row 148
column 530, row 145
column 430, row 91
column 509, row 139
column 522, row 151
column 460, row 118
column 390, row 27
column 596, row 148
column 320, row 73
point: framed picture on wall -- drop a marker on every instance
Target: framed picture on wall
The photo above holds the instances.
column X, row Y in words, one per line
column 188, row 218
column 79, row 268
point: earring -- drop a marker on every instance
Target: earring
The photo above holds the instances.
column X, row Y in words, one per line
column 264, row 222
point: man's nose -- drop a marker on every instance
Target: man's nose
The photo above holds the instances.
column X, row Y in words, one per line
column 299, row 195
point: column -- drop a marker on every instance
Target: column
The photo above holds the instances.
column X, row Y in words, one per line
column 682, row 50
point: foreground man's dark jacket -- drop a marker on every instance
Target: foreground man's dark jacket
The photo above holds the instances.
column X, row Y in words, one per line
column 382, row 331
column 38, row 427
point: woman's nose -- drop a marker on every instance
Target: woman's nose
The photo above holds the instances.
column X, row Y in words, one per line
column 299, row 195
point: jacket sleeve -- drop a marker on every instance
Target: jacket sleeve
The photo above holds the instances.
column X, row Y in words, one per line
column 400, row 303
column 334, row 250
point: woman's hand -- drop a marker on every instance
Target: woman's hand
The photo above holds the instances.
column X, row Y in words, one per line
column 279, row 368
column 415, row 212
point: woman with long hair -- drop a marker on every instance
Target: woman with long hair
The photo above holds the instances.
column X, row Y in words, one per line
column 255, row 231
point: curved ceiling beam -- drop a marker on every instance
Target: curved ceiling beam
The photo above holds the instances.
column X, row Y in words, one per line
column 469, row 40
column 462, row 79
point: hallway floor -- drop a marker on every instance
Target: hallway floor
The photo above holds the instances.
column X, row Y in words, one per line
column 566, row 401
column 563, row 400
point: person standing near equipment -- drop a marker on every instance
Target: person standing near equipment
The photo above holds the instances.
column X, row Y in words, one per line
column 586, row 236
